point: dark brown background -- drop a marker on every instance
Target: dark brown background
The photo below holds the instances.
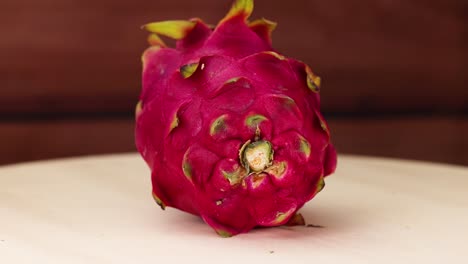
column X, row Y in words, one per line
column 394, row 72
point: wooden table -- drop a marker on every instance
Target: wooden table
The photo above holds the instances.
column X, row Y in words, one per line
column 98, row 209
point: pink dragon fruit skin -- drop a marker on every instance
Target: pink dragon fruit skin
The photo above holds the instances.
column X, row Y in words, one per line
column 230, row 129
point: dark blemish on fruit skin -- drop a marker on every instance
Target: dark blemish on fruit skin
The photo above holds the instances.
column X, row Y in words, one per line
column 271, row 251
column 315, row 226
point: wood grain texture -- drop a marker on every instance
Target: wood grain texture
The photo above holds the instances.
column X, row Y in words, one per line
column 428, row 138
column 69, row 56
column 70, row 71
column 45, row 139
column 433, row 139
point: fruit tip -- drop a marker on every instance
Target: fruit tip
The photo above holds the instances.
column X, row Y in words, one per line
column 239, row 8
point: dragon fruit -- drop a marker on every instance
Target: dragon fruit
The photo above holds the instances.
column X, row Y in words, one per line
column 230, row 128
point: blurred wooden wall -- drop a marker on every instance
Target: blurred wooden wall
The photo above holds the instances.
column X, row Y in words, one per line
column 394, row 72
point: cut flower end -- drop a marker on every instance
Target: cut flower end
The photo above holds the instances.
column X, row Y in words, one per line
column 256, row 156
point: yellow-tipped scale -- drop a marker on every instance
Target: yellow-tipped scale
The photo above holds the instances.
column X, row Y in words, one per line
column 175, row 29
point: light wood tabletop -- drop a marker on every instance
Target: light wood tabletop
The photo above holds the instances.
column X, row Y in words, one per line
column 99, row 209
